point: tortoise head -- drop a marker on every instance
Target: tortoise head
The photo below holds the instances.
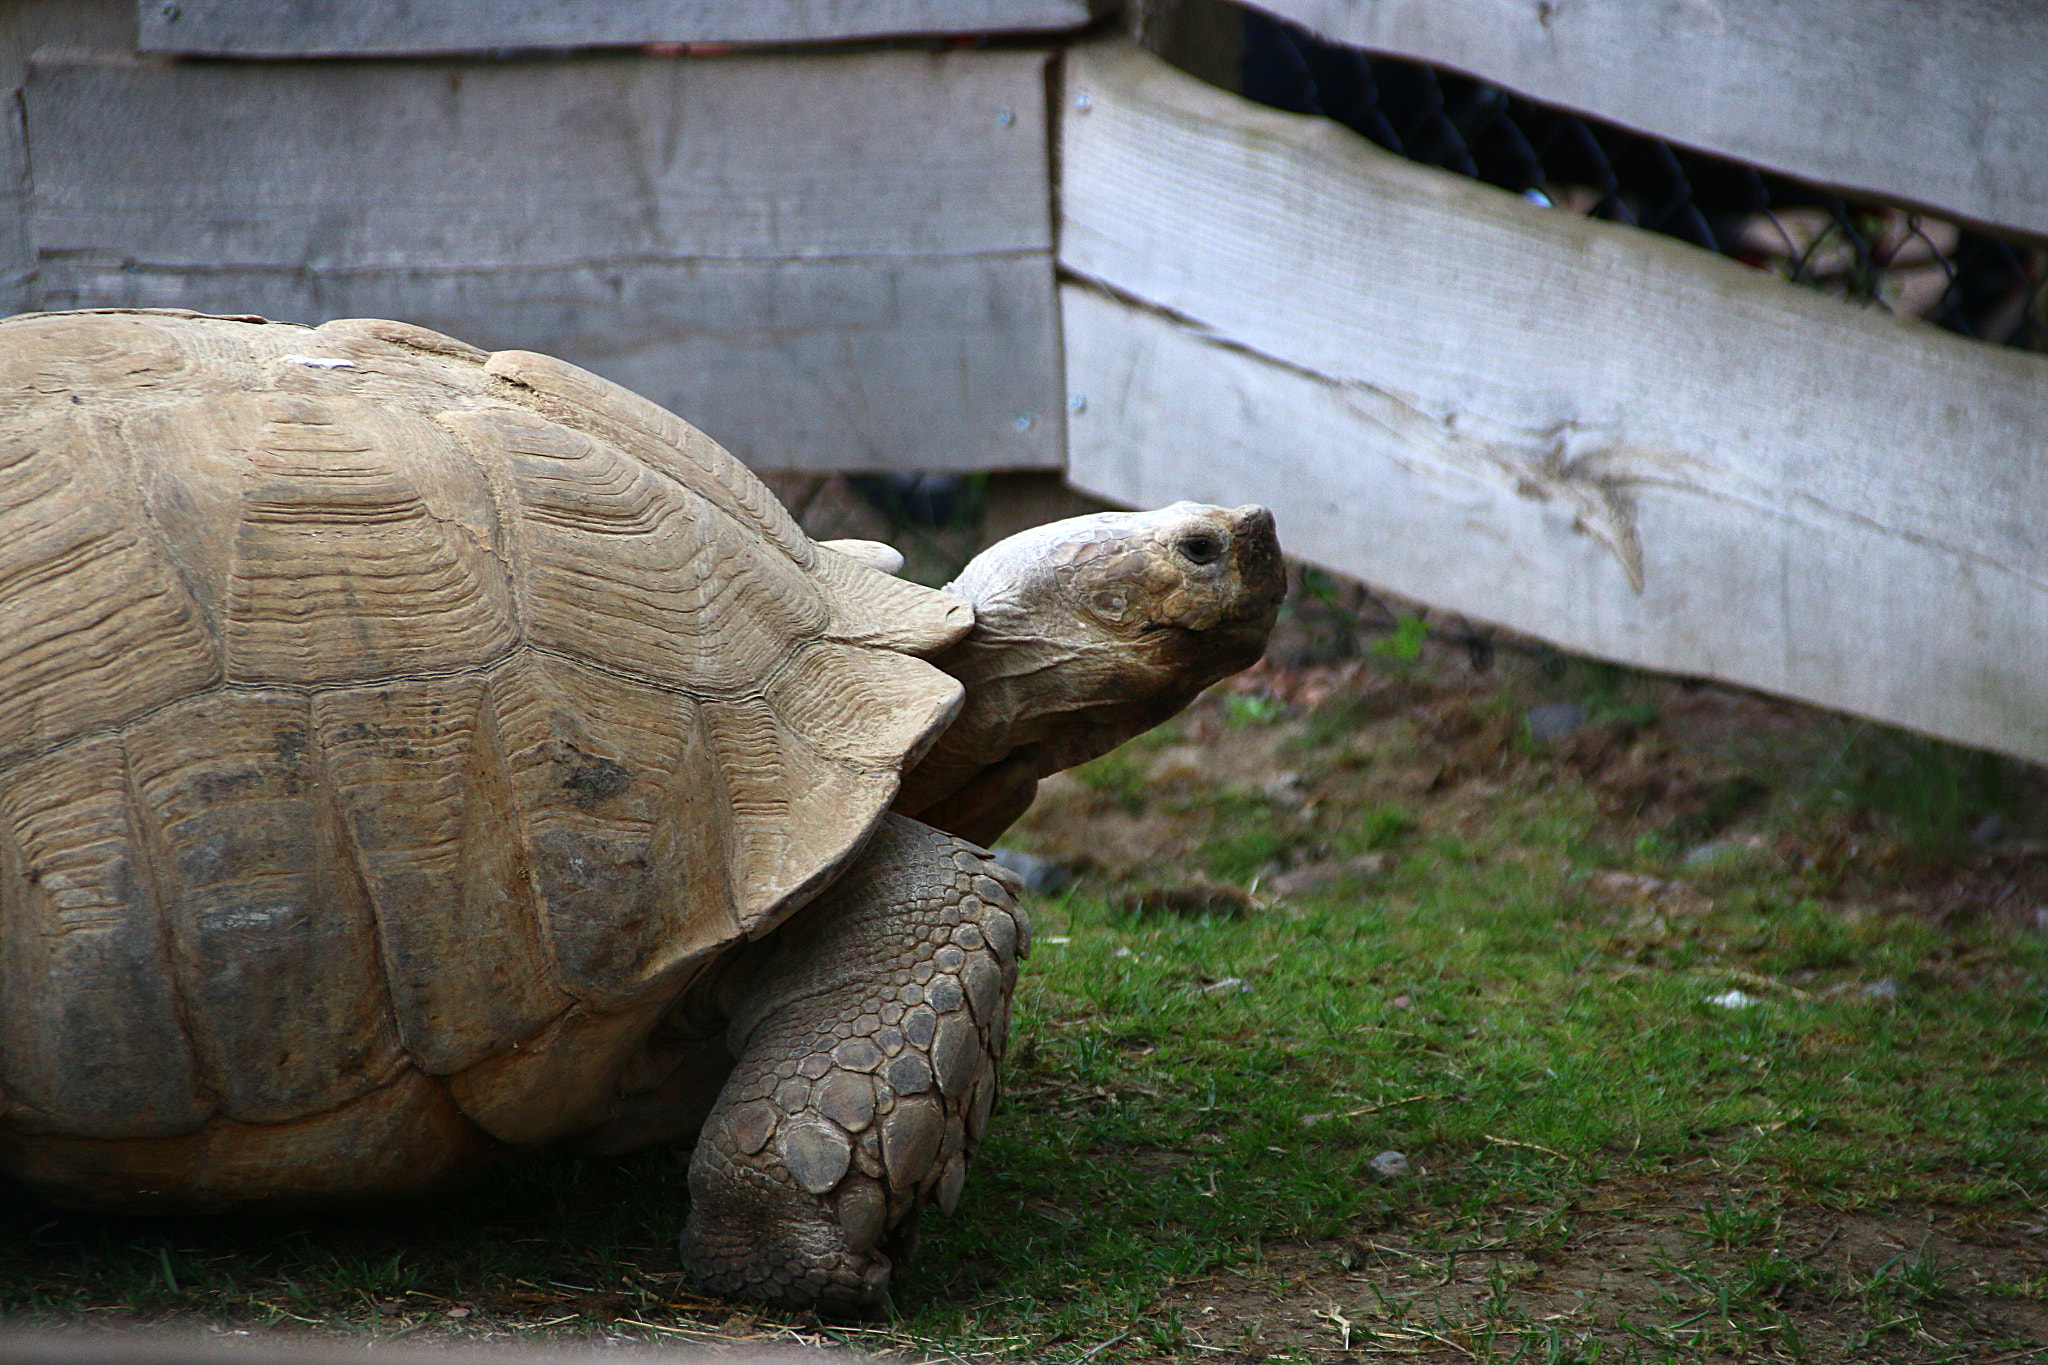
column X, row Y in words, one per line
column 1089, row 631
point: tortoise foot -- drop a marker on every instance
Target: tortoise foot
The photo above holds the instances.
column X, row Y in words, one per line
column 867, row 1046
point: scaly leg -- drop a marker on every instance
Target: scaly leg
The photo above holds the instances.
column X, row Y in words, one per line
column 867, row 1031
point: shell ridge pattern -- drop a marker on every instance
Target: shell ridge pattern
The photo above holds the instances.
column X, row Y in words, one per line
column 756, row 694
column 405, row 336
column 355, row 870
column 462, row 425
column 91, row 1035
column 902, row 703
column 93, row 628
column 111, row 355
column 419, row 778
column 875, row 609
column 666, row 442
column 125, row 440
column 281, row 980
column 623, row 815
column 338, row 572
column 639, row 571
column 153, row 857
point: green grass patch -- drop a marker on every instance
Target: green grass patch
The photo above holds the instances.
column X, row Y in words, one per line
column 1183, row 1092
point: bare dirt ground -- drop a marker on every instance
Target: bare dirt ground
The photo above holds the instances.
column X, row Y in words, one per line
column 1623, row 1263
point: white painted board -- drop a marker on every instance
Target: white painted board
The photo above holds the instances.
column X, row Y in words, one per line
column 828, row 261
column 1591, row 434
column 1939, row 105
column 323, row 28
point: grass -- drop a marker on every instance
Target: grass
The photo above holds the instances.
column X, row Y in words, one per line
column 1164, row 1130
column 1605, row 1166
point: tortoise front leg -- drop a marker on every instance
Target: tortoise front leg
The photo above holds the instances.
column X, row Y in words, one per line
column 867, row 1034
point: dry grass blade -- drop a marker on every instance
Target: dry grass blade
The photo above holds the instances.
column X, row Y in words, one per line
column 1532, row 1146
column 1100, row 1347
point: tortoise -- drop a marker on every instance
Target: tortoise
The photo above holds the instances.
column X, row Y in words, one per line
column 410, row 754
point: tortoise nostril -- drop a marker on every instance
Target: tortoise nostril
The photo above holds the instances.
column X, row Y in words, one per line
column 1201, row 548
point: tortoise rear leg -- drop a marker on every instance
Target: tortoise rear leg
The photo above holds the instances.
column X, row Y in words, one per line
column 867, row 1031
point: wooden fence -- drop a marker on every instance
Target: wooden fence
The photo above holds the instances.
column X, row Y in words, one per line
column 1586, row 432
column 843, row 257
column 830, row 259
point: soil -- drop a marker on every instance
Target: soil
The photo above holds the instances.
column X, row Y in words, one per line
column 1617, row 1266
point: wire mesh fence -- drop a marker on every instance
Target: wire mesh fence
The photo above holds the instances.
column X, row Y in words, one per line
column 1904, row 262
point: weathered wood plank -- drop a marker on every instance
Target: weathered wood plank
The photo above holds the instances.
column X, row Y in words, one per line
column 1937, row 105
column 326, row 164
column 826, row 261
column 913, row 363
column 1581, row 431
column 26, row 25
column 321, row 28
column 17, row 248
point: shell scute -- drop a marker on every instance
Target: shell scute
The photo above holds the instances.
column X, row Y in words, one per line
column 282, row 989
column 93, row 629
column 401, row 1140
column 864, row 707
column 122, row 355
column 655, row 435
column 626, row 565
column 343, row 568
column 420, row 774
column 792, row 805
column 882, row 612
column 624, row 820
column 91, row 1038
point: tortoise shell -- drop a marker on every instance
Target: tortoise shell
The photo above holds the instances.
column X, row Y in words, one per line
column 388, row 732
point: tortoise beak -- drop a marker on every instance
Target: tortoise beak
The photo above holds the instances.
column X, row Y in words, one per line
column 1261, row 572
column 1238, row 637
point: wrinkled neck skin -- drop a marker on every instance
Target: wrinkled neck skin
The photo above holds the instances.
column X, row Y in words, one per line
column 1087, row 632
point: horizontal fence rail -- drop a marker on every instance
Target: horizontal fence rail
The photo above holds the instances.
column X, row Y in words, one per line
column 1937, row 105
column 372, row 28
column 826, row 261
column 1568, row 427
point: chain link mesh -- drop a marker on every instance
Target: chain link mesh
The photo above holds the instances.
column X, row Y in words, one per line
column 1895, row 259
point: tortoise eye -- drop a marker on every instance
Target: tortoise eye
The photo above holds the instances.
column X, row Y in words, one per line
column 1201, row 548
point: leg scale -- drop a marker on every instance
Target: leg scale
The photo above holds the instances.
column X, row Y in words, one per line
column 867, row 1030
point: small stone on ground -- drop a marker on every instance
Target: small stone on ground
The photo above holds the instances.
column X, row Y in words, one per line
column 1552, row 721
